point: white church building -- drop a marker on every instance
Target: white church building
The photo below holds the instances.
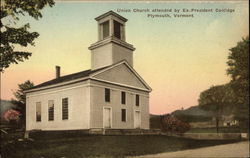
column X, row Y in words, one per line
column 110, row 95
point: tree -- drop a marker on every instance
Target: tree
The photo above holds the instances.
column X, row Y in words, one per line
column 20, row 99
column 238, row 62
column 215, row 99
column 13, row 35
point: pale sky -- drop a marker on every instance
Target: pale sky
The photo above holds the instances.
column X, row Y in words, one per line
column 177, row 57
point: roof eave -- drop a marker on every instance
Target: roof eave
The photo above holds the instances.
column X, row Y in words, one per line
column 111, row 13
column 57, row 85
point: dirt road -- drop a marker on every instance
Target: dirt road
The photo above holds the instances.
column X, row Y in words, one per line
column 235, row 150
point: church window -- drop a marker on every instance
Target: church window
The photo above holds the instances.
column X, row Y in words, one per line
column 117, row 29
column 38, row 112
column 65, row 109
column 105, row 29
column 107, row 95
column 137, row 100
column 123, row 97
column 51, row 110
column 124, row 115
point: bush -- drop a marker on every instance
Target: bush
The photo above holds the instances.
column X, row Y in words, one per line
column 11, row 116
column 11, row 119
column 155, row 122
column 171, row 124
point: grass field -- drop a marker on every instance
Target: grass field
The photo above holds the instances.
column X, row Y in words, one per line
column 101, row 146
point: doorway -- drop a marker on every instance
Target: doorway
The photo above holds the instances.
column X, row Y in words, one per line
column 137, row 119
column 106, row 117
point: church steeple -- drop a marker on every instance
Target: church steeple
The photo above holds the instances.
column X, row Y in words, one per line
column 111, row 46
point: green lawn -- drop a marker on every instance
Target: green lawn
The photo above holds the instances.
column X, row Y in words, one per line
column 101, row 146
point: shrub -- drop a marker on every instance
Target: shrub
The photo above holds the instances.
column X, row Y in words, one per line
column 11, row 116
column 171, row 124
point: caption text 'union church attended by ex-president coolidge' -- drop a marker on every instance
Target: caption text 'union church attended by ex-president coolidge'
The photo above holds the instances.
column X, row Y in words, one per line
column 111, row 95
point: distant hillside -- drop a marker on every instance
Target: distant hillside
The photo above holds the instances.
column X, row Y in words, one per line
column 5, row 105
column 192, row 114
column 194, row 111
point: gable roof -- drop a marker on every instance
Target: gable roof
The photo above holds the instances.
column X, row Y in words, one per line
column 69, row 77
column 129, row 67
column 86, row 74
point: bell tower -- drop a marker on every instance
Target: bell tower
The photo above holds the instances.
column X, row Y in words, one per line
column 111, row 46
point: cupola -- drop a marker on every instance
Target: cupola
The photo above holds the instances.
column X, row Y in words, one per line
column 111, row 46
